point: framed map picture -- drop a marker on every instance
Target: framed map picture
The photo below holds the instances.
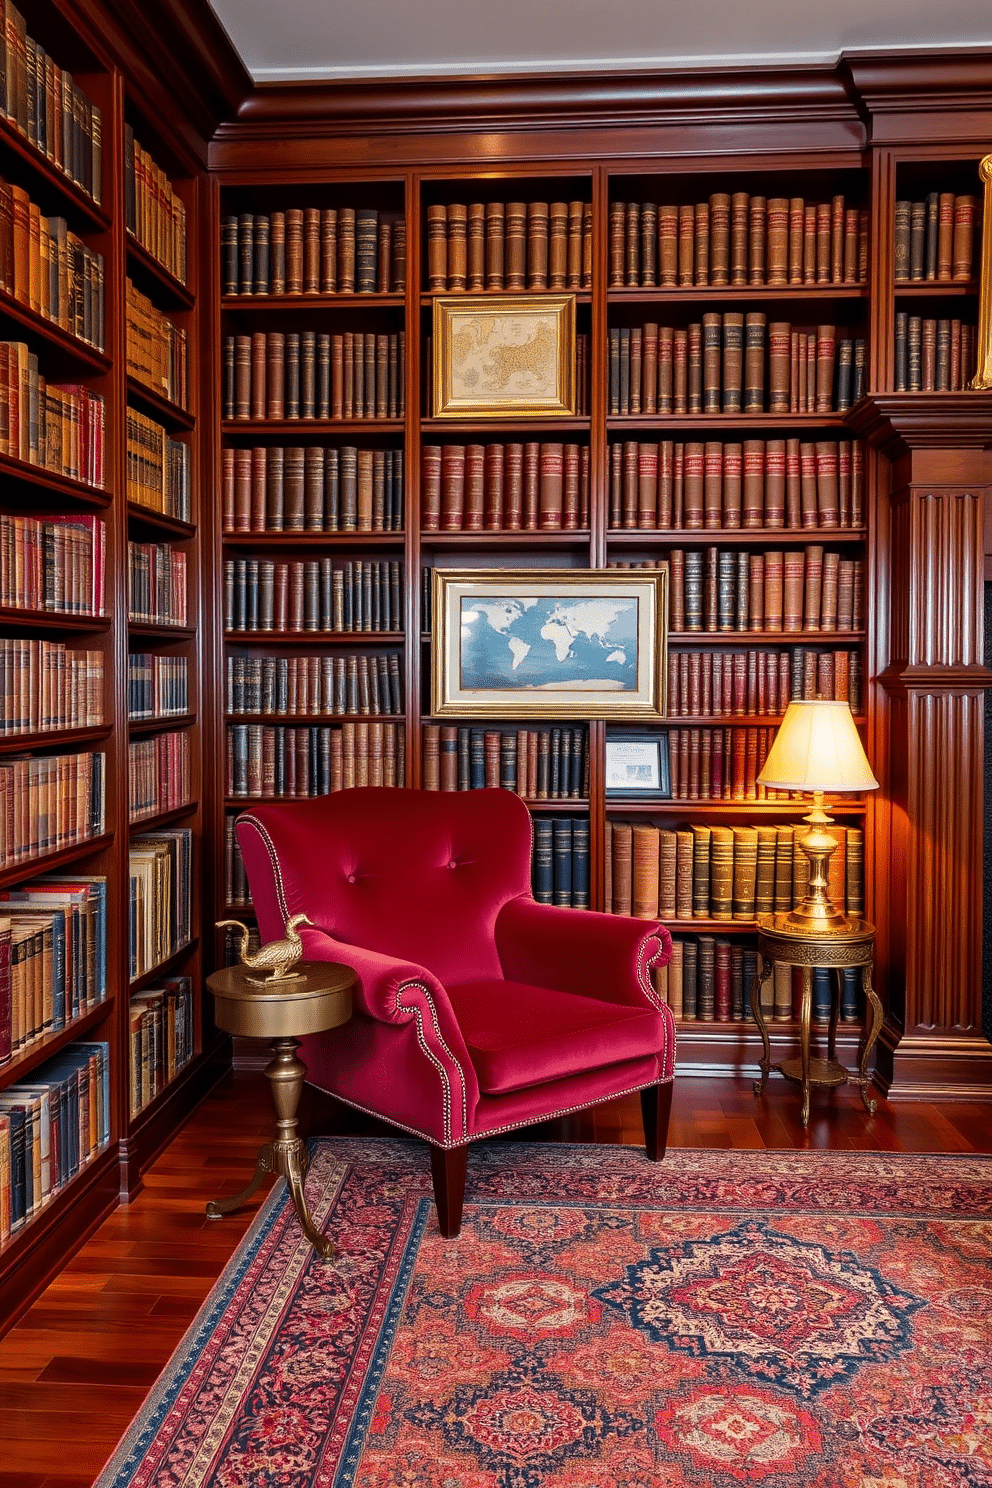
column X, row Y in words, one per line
column 578, row 643
column 504, row 356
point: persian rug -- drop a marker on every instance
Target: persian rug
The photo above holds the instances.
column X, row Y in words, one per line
column 721, row 1318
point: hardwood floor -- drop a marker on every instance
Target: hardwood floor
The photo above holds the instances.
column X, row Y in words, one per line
column 75, row 1369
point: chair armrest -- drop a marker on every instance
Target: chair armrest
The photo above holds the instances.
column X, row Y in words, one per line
column 606, row 956
column 384, row 982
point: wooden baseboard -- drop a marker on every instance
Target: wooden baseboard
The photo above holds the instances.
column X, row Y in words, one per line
column 934, row 1067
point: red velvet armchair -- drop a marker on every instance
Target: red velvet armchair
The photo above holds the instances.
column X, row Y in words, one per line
column 476, row 1010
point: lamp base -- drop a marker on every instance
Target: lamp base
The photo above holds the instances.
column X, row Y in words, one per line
column 817, row 915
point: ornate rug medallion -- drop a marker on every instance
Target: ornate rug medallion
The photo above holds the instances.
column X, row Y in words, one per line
column 719, row 1319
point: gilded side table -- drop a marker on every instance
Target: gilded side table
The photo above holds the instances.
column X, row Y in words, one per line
column 852, row 946
column 316, row 999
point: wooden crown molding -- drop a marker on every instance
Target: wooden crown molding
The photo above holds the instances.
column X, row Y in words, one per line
column 898, row 422
column 897, row 82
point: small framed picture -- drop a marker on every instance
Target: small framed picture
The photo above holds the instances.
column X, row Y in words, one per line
column 637, row 765
column 504, row 356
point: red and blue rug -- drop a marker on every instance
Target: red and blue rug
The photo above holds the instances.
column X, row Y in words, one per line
column 721, row 1318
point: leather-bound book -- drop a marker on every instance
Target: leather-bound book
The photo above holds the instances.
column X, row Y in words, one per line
column 291, row 512
column 492, row 504
column 706, row 979
column 837, row 240
column 713, row 484
column 271, row 517
column 292, row 376
column 647, row 485
column 242, row 377
column 742, row 595
column 928, row 355
column 551, row 486
column 557, row 271
column 261, row 256
column 690, row 980
column 328, row 249
column 623, row 367
column 823, row 233
column 774, row 483
column 475, row 257
column 508, row 761
column 783, row 869
column 694, row 368
column 516, row 246
column 754, row 361
column 683, row 872
column 308, row 374
column 702, row 243
column 829, row 587
column 448, row 760
column 474, row 488
column 796, row 227
column 812, row 588
column 511, row 486
column 366, row 493
column 721, row 589
column 649, row 367
column 437, row 247
column 757, row 222
column 687, row 244
column 809, row 511
column 678, row 484
column 580, row 862
column 825, row 350
column 945, row 237
column 854, row 879
column 668, row 245
column 644, row 874
column 452, row 487
column 571, row 498
column 777, row 263
column 736, row 762
column 914, row 352
column 554, row 765
column 311, row 251
column 543, row 865
column 532, row 485
column 314, row 463
column 649, row 246
column 793, row 572
column 573, row 261
column 902, row 230
column 701, row 838
column 739, row 224
column 942, row 370
column 665, row 467
column 756, row 592
column 537, row 245
column 665, row 354
column 491, row 756
column 809, row 243
column 694, row 470
column 457, row 245
column 731, row 373
column 828, row 456
column 745, row 860
column 793, row 484
column 722, row 872
column 676, row 602
column 635, row 369
column 781, row 1010
column 693, row 592
column 723, row 997
column 430, row 487
column 246, row 254
column 849, row 272
column 680, row 373
column 622, row 874
column 666, row 874
column 719, row 216
column 779, row 366
column 764, row 891
column 733, row 460
column 294, row 251
column 347, row 250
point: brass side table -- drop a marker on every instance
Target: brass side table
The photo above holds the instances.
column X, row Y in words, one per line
column 853, row 946
column 319, row 998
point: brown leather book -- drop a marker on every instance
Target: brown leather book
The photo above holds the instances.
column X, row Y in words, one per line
column 437, row 247
column 571, row 497
column 809, row 513
column 649, row 367
column 494, row 245
column 622, row 868
column 644, row 872
column 348, row 462
column 777, row 265
column 837, row 222
column 712, row 336
column 739, row 223
column 963, row 241
column 291, row 385
column 701, row 861
column 448, row 759
column 617, row 245
column 457, row 245
column 694, row 368
column 573, row 260
column 779, row 347
column 557, row 245
column 475, row 262
column 291, row 513
column 857, row 483
column 756, row 592
column 275, row 375
column 532, row 486
column 775, row 590
column 775, row 483
column 365, row 489
column 430, row 487
column 793, row 564
column 687, row 244
column 258, row 356
column 823, row 231
column 813, row 588
column 684, row 855
column 757, row 222
column 294, row 251
column 492, row 503
column 826, row 336
column 328, row 233
column 251, row 471
column 793, row 488
column 430, row 761
column 851, row 225
column 754, row 361
column 311, row 250
column 668, row 245
column 242, row 378
column 945, row 238
column 551, row 487
column 702, row 243
column 513, row 488
column 719, row 238
column 649, row 246
column 666, row 874
column 537, row 245
column 722, row 872
column 277, row 253
column 829, row 591
column 272, row 517
column 452, row 487
column 855, row 871
column 666, row 471
column 346, row 250
column 713, row 484
column 474, row 488
column 828, row 482
column 809, row 243
column 634, row 396
column 646, row 501
column 671, row 379
column 314, row 463
column 676, row 578
column 693, row 516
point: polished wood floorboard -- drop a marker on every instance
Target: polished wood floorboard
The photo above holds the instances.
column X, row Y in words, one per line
column 75, row 1369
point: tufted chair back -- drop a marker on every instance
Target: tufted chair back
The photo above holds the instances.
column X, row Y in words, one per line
column 419, row 875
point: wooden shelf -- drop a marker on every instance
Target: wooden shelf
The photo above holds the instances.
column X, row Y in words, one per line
column 668, row 806
column 439, row 428
column 53, row 738
column 147, row 400
column 80, row 206
column 155, row 819
column 428, row 296
column 50, row 620
column 701, row 295
column 43, row 1048
column 314, row 637
column 734, row 537
column 313, row 539
column 53, row 861
column 731, row 720
column 148, row 978
column 935, row 288
column 143, row 629
column 57, row 488
column 368, row 299
column 138, row 726
column 342, row 426
column 776, row 423
column 757, row 638
column 63, row 344
column 173, row 527
column 294, row 720
column 562, row 537
column 178, row 295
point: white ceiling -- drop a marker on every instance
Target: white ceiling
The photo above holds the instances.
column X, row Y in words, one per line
column 285, row 40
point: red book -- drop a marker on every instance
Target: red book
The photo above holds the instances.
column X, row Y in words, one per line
column 570, row 488
column 493, row 488
column 666, row 468
column 513, row 487
column 647, row 485
column 430, row 487
column 532, row 485
column 475, row 470
column 452, row 487
column 552, row 463
column 713, row 484
column 721, row 991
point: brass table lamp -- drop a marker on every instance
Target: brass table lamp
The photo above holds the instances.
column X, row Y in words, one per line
column 817, row 750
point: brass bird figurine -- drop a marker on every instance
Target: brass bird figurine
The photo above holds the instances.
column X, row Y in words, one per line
column 277, row 957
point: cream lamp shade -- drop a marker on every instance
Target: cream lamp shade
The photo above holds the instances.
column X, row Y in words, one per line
column 817, row 748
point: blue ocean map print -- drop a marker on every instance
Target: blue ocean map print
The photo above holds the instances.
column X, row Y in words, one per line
column 529, row 643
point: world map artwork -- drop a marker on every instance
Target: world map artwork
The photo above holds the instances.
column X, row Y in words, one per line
column 549, row 644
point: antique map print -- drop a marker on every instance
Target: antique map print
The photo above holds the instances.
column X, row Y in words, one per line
column 505, row 356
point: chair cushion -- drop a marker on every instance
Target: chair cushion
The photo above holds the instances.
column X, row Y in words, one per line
column 519, row 1035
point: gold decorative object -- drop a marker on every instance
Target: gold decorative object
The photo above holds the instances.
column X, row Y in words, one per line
column 817, row 750
column 983, row 375
column 277, row 957
column 504, row 356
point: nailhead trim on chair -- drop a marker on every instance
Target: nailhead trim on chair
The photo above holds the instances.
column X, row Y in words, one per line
column 445, row 1078
column 253, row 821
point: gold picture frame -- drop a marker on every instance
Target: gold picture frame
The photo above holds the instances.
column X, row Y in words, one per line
column 982, row 379
column 549, row 643
column 504, row 356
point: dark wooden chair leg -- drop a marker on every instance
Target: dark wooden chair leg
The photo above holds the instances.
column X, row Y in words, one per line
column 656, row 1108
column 448, row 1168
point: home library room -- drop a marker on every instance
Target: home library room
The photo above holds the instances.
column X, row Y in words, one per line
column 772, row 401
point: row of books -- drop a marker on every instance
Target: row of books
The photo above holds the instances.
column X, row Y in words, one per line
column 933, row 356
column 709, row 980
column 160, row 868
column 52, row 1123
column 934, row 238
column 53, row 957
column 720, row 485
column 156, row 584
column 155, row 349
column 158, row 773
column 158, row 467
column 157, row 686
column 737, row 239
column 722, row 873
column 504, row 488
column 313, row 251
column 58, row 427
column 49, row 802
column 153, row 213
column 720, row 764
column 313, row 375
column 47, row 108
column 315, row 595
column 509, row 246
column 733, row 363
column 702, row 683
column 310, row 488
column 334, row 685
column 791, row 589
column 265, row 760
column 546, row 764
column 161, row 1038
column 55, row 564
column 48, row 685
column 560, row 861
column 49, row 269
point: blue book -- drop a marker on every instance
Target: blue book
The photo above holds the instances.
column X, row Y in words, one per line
column 580, row 862
column 477, row 759
column 850, row 994
column 562, row 839
column 543, row 864
column 821, row 994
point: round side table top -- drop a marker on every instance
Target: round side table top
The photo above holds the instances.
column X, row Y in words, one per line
column 317, row 999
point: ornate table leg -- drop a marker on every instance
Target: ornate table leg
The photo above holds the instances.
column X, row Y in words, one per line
column 267, row 1163
column 805, row 1012
column 759, row 1018
column 873, row 1011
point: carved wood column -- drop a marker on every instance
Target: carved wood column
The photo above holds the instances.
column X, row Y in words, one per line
column 934, row 477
